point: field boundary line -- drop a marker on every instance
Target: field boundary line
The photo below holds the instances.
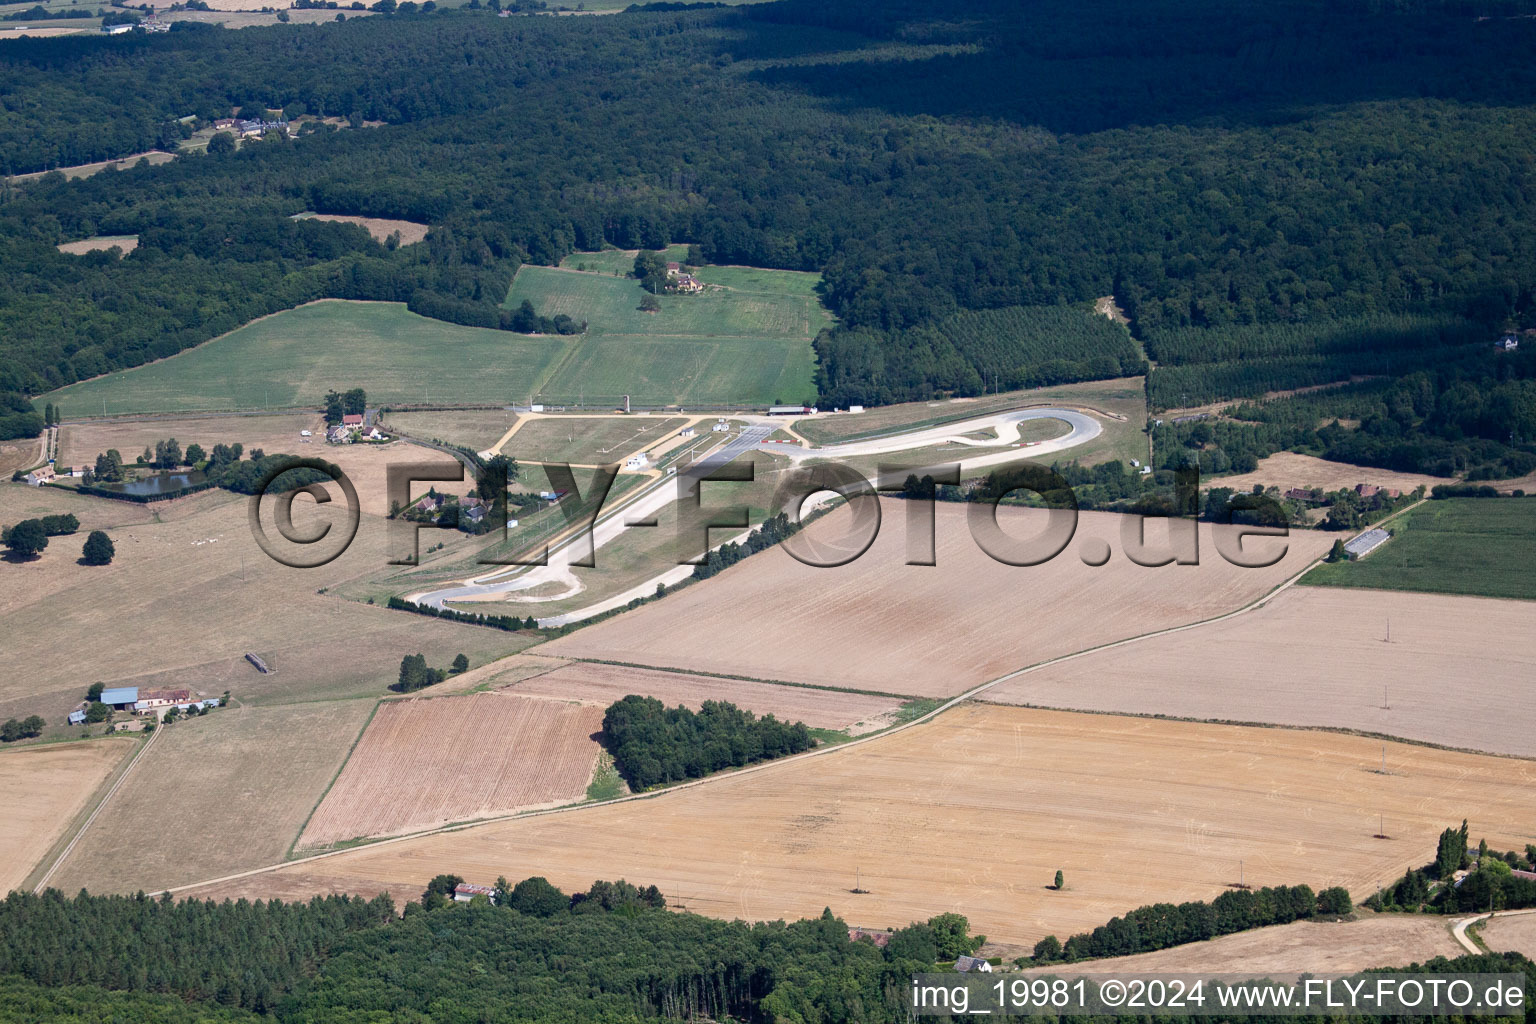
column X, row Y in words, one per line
column 331, row 785
column 780, row 763
column 102, row 803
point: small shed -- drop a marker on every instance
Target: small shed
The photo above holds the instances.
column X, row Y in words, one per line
column 76, row 717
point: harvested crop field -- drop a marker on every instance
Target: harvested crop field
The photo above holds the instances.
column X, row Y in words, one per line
column 42, row 789
column 1374, row 940
column 879, row 624
column 215, row 794
column 1510, row 933
column 1317, row 656
column 81, row 441
column 424, row 763
column 127, row 243
column 379, row 227
column 1288, row 469
column 472, row 428
column 821, row 709
column 975, row 811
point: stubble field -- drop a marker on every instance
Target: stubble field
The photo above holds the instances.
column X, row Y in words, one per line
column 1374, row 940
column 1511, row 933
column 215, row 794
column 603, row 684
column 424, row 763
column 1457, row 671
column 879, row 624
column 42, row 789
column 975, row 812
column 1288, row 469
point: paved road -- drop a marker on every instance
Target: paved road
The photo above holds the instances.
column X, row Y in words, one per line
column 654, row 497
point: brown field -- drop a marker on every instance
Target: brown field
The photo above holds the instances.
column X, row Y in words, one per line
column 44, row 31
column 1374, row 940
column 425, row 763
column 81, row 441
column 879, row 624
column 154, row 156
column 1317, row 656
column 1287, row 469
column 1510, row 933
column 473, row 428
column 127, row 243
column 603, row 684
column 974, row 812
column 252, row 16
column 379, row 227
column 217, row 793
column 190, row 592
column 42, row 789
column 23, row 453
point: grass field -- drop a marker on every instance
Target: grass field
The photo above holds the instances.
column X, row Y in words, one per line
column 424, row 763
column 975, row 812
column 190, row 592
column 42, row 789
column 1319, row 657
column 476, row 429
column 880, row 624
column 218, row 793
column 588, row 440
column 292, row 359
column 746, row 341
column 1482, row 546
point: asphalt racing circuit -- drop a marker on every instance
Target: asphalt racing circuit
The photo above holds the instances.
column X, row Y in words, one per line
column 656, row 495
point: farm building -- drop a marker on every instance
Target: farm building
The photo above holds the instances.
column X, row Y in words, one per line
column 353, row 419
column 120, row 698
column 466, row 891
column 149, row 700
column 1364, row 544
column 966, row 964
column 116, row 30
column 1371, row 490
column 76, row 717
column 337, row 435
column 40, row 476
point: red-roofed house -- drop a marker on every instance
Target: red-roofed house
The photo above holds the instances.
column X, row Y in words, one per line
column 352, row 419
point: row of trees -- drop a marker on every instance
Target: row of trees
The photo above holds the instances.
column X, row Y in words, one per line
column 21, row 729
column 653, row 744
column 1160, row 925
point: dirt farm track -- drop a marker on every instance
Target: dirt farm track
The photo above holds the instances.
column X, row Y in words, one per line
column 1133, row 810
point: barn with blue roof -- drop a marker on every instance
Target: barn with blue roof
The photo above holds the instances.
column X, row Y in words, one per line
column 120, row 698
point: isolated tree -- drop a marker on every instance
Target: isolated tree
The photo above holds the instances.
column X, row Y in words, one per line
column 1061, row 880
column 10, row 732
column 537, row 898
column 1337, row 552
column 98, row 549
column 32, row 725
column 650, row 304
column 460, row 664
column 48, row 415
column 148, row 456
column 27, row 538
column 94, row 692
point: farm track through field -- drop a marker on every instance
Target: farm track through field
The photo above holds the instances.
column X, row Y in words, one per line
column 58, row 862
column 825, row 751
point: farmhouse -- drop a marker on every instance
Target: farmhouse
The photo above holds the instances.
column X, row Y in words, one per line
column 151, row 700
column 1371, row 490
column 40, row 476
column 472, row 516
column 466, row 891
column 120, row 698
column 966, row 964
column 353, row 420
column 1364, row 544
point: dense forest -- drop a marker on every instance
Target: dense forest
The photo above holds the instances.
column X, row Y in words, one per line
column 535, row 954
column 653, row 744
column 1336, row 172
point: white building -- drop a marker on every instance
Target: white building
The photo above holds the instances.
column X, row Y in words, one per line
column 40, row 476
column 637, row 462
